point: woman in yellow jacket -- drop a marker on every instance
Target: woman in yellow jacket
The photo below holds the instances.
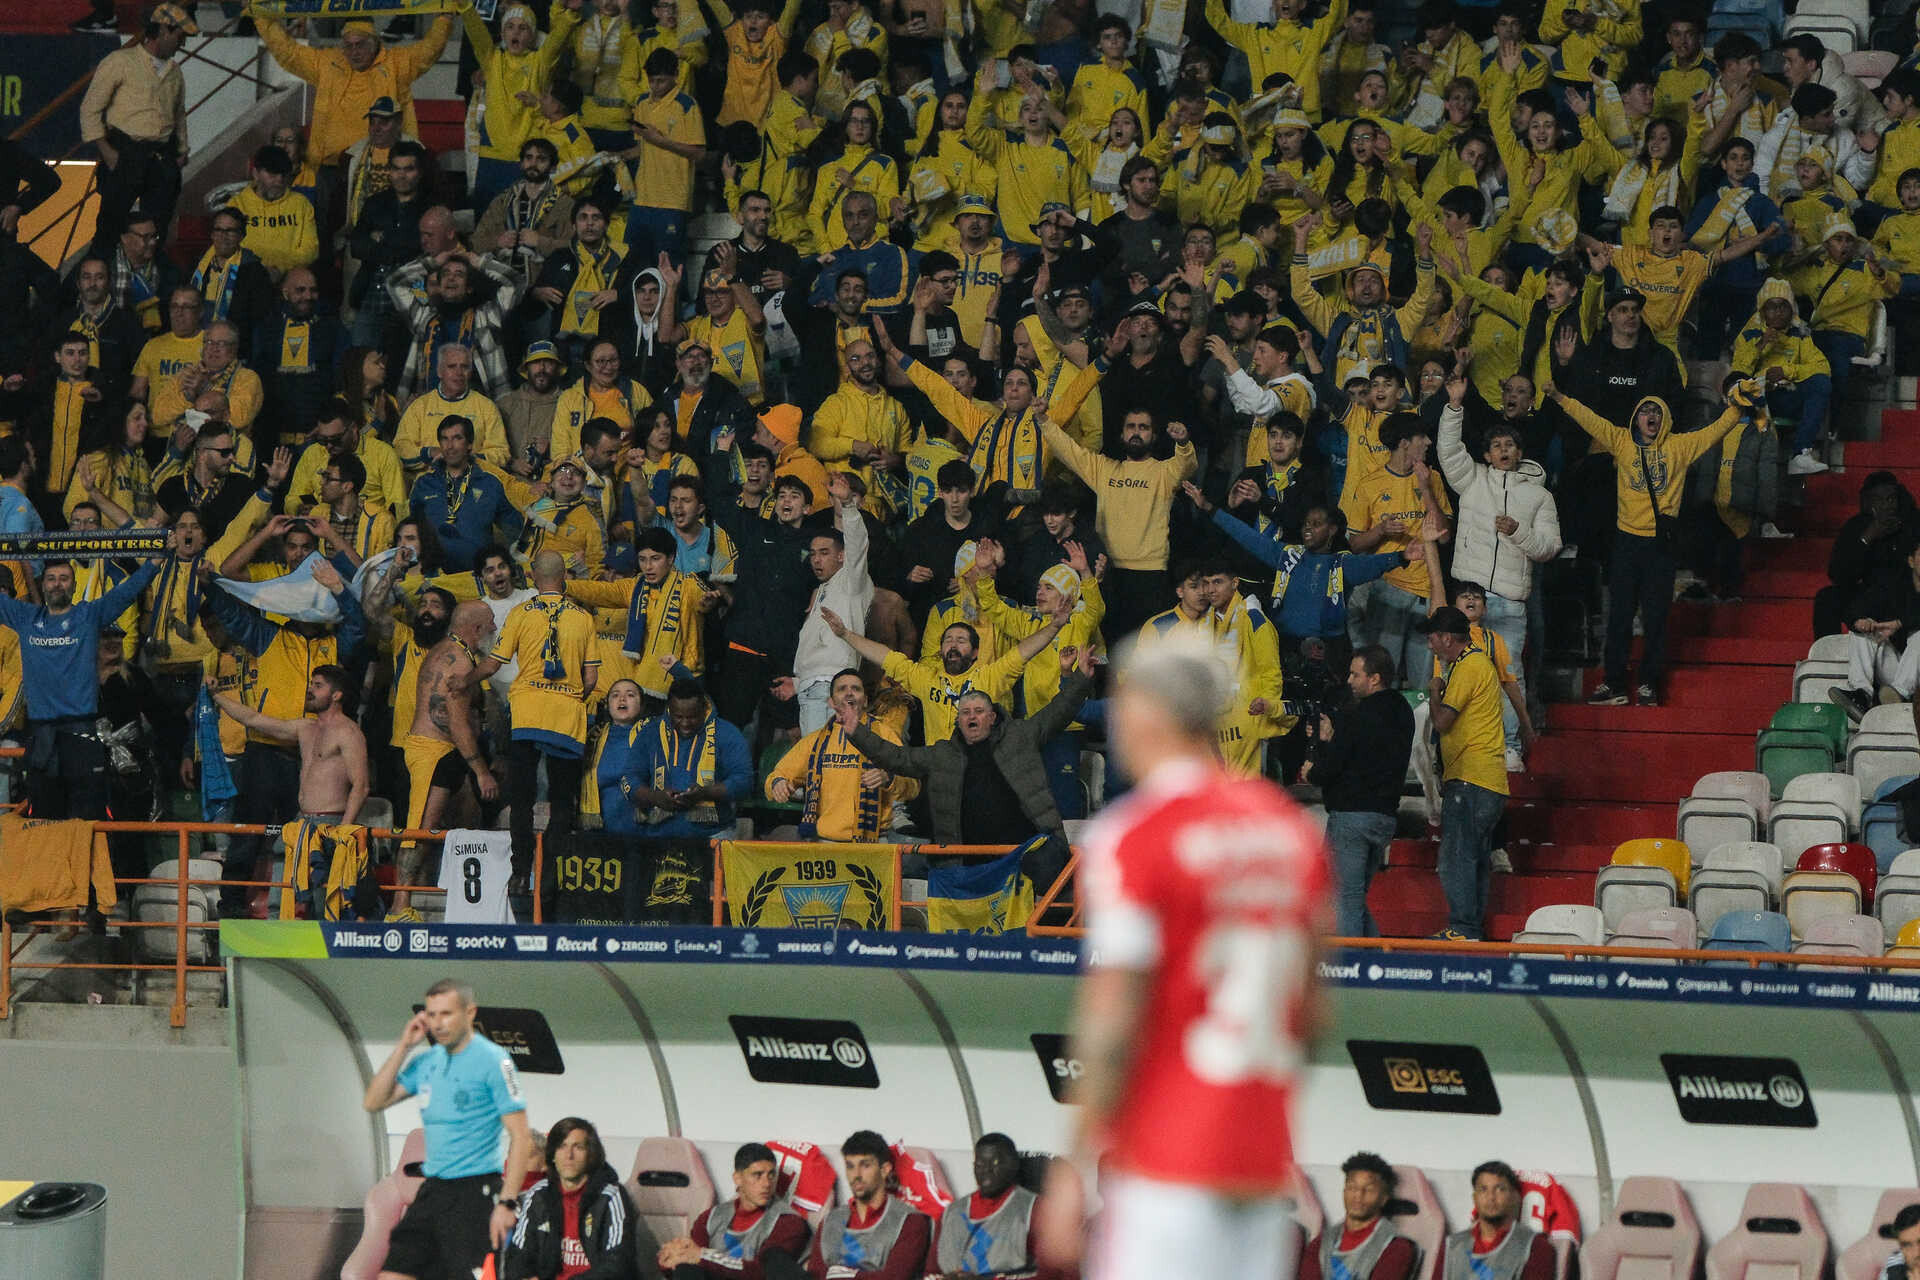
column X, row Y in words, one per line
column 1103, row 153
column 516, row 71
column 1296, row 170
column 1544, row 173
column 1662, row 174
column 946, row 169
column 859, row 167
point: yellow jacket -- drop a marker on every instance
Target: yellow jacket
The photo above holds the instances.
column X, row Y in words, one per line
column 1757, row 349
column 342, row 95
column 507, row 121
column 868, row 170
column 1293, row 48
column 1027, row 175
column 672, row 616
column 419, row 429
column 243, row 394
column 827, row 763
column 1846, row 305
column 1040, row 681
column 1664, row 462
column 850, row 416
column 386, row 484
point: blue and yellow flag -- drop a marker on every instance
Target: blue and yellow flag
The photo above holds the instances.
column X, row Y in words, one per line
column 984, row 897
column 808, row 886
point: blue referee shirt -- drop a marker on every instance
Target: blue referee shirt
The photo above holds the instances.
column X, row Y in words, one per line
column 462, row 1097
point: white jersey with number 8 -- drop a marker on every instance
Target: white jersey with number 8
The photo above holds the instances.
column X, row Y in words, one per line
column 474, row 869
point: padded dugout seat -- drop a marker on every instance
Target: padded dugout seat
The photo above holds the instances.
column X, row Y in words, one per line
column 1417, row 1215
column 386, row 1203
column 1863, row 1259
column 1780, row 1237
column 670, row 1186
column 1652, row 1235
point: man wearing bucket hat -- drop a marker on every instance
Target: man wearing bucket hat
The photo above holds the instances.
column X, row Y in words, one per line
column 349, row 80
column 528, row 409
column 135, row 114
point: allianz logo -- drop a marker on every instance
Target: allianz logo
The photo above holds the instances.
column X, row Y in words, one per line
column 1893, row 992
column 798, row 1050
column 1781, row 1090
column 357, row 938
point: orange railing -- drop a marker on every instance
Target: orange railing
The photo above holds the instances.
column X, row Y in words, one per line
column 11, row 949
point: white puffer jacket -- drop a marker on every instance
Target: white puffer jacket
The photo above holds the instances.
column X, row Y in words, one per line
column 1500, row 562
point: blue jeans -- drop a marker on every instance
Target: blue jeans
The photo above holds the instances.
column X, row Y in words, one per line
column 1468, row 815
column 815, row 711
column 1358, row 841
column 1807, row 403
column 1392, row 614
column 1061, row 755
column 1508, row 620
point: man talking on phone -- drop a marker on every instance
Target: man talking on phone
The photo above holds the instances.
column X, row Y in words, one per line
column 470, row 1101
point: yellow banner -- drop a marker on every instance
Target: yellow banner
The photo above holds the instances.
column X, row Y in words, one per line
column 282, row 10
column 808, row 886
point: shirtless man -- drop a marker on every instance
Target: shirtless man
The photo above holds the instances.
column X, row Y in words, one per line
column 442, row 743
column 333, row 760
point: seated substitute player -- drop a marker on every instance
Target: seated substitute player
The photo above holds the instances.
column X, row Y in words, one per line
column 874, row 1236
column 577, row 1220
column 991, row 1233
column 1498, row 1246
column 1368, row 1246
column 757, row 1233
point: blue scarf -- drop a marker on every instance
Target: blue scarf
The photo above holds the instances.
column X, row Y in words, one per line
column 641, row 636
column 216, row 780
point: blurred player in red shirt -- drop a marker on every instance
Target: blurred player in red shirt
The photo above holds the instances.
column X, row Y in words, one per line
column 1206, row 894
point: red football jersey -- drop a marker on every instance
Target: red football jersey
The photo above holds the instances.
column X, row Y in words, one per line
column 921, row 1184
column 804, row 1175
column 1213, row 884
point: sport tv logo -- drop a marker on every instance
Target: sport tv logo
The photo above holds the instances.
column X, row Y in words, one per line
column 1728, row 1089
column 818, row 1051
column 1057, row 1064
column 1406, row 1076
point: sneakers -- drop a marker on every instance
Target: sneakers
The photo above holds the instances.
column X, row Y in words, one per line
column 1607, row 696
column 1450, row 935
column 1695, row 592
column 405, row 915
column 1770, row 530
column 1855, row 702
column 1646, row 696
column 1499, row 861
column 1516, row 763
column 1804, row 463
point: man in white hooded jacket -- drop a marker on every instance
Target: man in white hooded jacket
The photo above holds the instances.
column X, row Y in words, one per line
column 1507, row 521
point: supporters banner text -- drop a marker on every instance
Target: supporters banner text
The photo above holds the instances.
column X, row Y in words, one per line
column 814, row 886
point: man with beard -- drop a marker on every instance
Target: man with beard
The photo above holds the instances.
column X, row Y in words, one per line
column 1143, row 239
column 703, row 406
column 444, row 723
column 114, row 334
column 833, row 319
column 1498, row 1245
column 298, row 351
column 1058, row 234
column 454, row 312
column 860, row 426
column 142, row 276
column 333, row 752
column 386, row 235
column 465, row 502
column 208, row 485
column 1133, row 499
column 59, row 646
column 763, row 264
column 527, row 410
column 525, row 222
column 1151, row 374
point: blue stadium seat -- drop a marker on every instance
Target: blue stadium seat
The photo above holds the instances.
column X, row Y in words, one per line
column 1749, row 931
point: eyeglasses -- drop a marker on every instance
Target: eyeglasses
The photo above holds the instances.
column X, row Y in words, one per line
column 148, row 236
column 330, row 477
column 946, row 279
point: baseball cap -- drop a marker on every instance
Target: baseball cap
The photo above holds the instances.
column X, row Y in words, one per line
column 1446, row 621
column 542, row 350
column 1075, row 290
column 384, row 106
column 174, row 15
column 1617, row 296
column 1146, row 307
column 1047, row 210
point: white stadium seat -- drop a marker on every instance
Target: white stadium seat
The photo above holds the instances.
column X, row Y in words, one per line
column 1565, row 922
column 1779, row 1238
column 1652, row 1235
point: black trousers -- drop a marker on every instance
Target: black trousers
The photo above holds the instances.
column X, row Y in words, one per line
column 523, row 783
column 1133, row 596
column 148, row 175
column 66, row 770
column 176, row 693
column 269, row 793
column 1640, row 579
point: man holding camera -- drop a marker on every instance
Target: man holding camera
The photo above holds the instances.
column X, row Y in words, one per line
column 1360, row 766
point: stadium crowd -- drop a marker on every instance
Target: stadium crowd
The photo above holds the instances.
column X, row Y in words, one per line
column 1035, row 330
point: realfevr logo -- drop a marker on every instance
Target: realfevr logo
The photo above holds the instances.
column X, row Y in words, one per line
column 814, row 1051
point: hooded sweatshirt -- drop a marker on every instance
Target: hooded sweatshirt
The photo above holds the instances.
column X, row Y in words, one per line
column 1500, row 562
column 1664, row 462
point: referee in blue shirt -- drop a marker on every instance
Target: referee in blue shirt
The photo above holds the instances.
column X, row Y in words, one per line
column 470, row 1102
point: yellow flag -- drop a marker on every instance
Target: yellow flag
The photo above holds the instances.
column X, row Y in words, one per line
column 285, row 9
column 808, row 886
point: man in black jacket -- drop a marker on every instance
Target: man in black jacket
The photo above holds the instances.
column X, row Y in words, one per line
column 577, row 1216
column 771, row 593
column 386, row 236
column 1871, row 548
column 718, row 405
column 1361, row 768
column 297, row 355
column 987, row 784
column 116, row 333
column 1881, row 653
column 763, row 264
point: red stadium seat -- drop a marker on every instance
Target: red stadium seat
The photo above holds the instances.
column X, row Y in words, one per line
column 670, row 1186
column 1652, row 1235
column 1854, row 859
column 386, row 1202
column 1780, row 1237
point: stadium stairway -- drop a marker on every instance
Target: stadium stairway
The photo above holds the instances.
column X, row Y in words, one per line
column 1602, row 775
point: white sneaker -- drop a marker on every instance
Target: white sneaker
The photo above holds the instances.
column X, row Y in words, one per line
column 1516, row 763
column 1768, row 529
column 1500, row 862
column 1804, row 463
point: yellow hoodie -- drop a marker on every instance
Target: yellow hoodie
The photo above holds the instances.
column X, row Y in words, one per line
column 1664, row 461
